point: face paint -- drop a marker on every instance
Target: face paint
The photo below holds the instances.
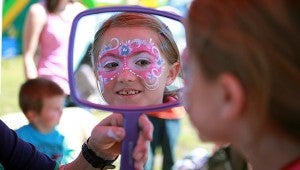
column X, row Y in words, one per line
column 141, row 57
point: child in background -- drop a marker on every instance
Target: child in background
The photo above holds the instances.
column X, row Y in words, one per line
column 42, row 102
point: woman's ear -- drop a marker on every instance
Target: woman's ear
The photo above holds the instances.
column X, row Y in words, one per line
column 173, row 72
column 233, row 96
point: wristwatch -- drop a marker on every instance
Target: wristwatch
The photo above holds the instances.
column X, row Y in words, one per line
column 96, row 161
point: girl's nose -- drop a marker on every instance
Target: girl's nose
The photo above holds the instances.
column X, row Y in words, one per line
column 126, row 75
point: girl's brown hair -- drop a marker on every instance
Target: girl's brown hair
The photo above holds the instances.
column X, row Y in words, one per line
column 258, row 41
column 167, row 45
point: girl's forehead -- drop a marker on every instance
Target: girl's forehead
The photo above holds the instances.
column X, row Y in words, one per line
column 129, row 33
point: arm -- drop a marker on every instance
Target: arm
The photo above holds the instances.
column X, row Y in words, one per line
column 106, row 140
column 34, row 23
column 17, row 154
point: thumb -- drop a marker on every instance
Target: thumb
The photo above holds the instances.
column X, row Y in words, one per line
column 115, row 133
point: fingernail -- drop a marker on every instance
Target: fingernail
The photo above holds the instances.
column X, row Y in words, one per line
column 113, row 135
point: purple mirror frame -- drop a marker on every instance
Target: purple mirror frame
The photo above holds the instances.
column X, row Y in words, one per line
column 118, row 109
column 130, row 114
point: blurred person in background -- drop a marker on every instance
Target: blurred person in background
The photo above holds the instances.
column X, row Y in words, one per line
column 46, row 32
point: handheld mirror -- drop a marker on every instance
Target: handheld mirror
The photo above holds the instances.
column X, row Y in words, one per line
column 126, row 59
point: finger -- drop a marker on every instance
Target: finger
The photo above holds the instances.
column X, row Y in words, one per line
column 106, row 140
column 140, row 153
column 140, row 156
column 107, row 134
column 139, row 165
column 144, row 138
column 114, row 119
column 146, row 127
column 141, row 148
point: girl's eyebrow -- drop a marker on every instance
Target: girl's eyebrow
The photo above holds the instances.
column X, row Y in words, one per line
column 108, row 53
column 116, row 55
column 141, row 51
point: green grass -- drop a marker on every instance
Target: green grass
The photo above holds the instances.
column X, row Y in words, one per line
column 12, row 76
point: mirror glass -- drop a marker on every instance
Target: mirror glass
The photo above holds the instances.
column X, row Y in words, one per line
column 133, row 64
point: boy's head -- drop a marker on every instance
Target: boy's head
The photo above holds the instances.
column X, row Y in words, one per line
column 41, row 100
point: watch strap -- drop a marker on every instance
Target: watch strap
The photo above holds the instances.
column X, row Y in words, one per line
column 94, row 160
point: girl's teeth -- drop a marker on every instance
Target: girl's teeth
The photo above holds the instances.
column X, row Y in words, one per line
column 128, row 92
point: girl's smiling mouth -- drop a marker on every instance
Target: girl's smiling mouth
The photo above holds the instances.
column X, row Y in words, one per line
column 128, row 92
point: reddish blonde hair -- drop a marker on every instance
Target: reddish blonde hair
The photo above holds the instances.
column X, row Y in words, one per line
column 257, row 41
column 33, row 92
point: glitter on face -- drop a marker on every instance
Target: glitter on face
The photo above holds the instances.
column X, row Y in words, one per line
column 141, row 57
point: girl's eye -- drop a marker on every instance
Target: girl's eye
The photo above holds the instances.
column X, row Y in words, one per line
column 110, row 66
column 143, row 62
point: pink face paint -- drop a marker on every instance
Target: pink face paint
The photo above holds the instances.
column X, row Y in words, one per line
column 142, row 58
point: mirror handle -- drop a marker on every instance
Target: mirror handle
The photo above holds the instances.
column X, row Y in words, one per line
column 128, row 144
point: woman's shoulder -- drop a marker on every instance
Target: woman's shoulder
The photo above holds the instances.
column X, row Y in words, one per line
column 37, row 7
column 38, row 10
column 78, row 6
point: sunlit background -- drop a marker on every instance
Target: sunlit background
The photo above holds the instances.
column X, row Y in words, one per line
column 12, row 69
column 14, row 13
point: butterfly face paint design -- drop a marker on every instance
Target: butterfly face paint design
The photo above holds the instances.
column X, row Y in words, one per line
column 141, row 57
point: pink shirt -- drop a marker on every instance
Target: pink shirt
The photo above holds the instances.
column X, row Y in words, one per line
column 54, row 41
